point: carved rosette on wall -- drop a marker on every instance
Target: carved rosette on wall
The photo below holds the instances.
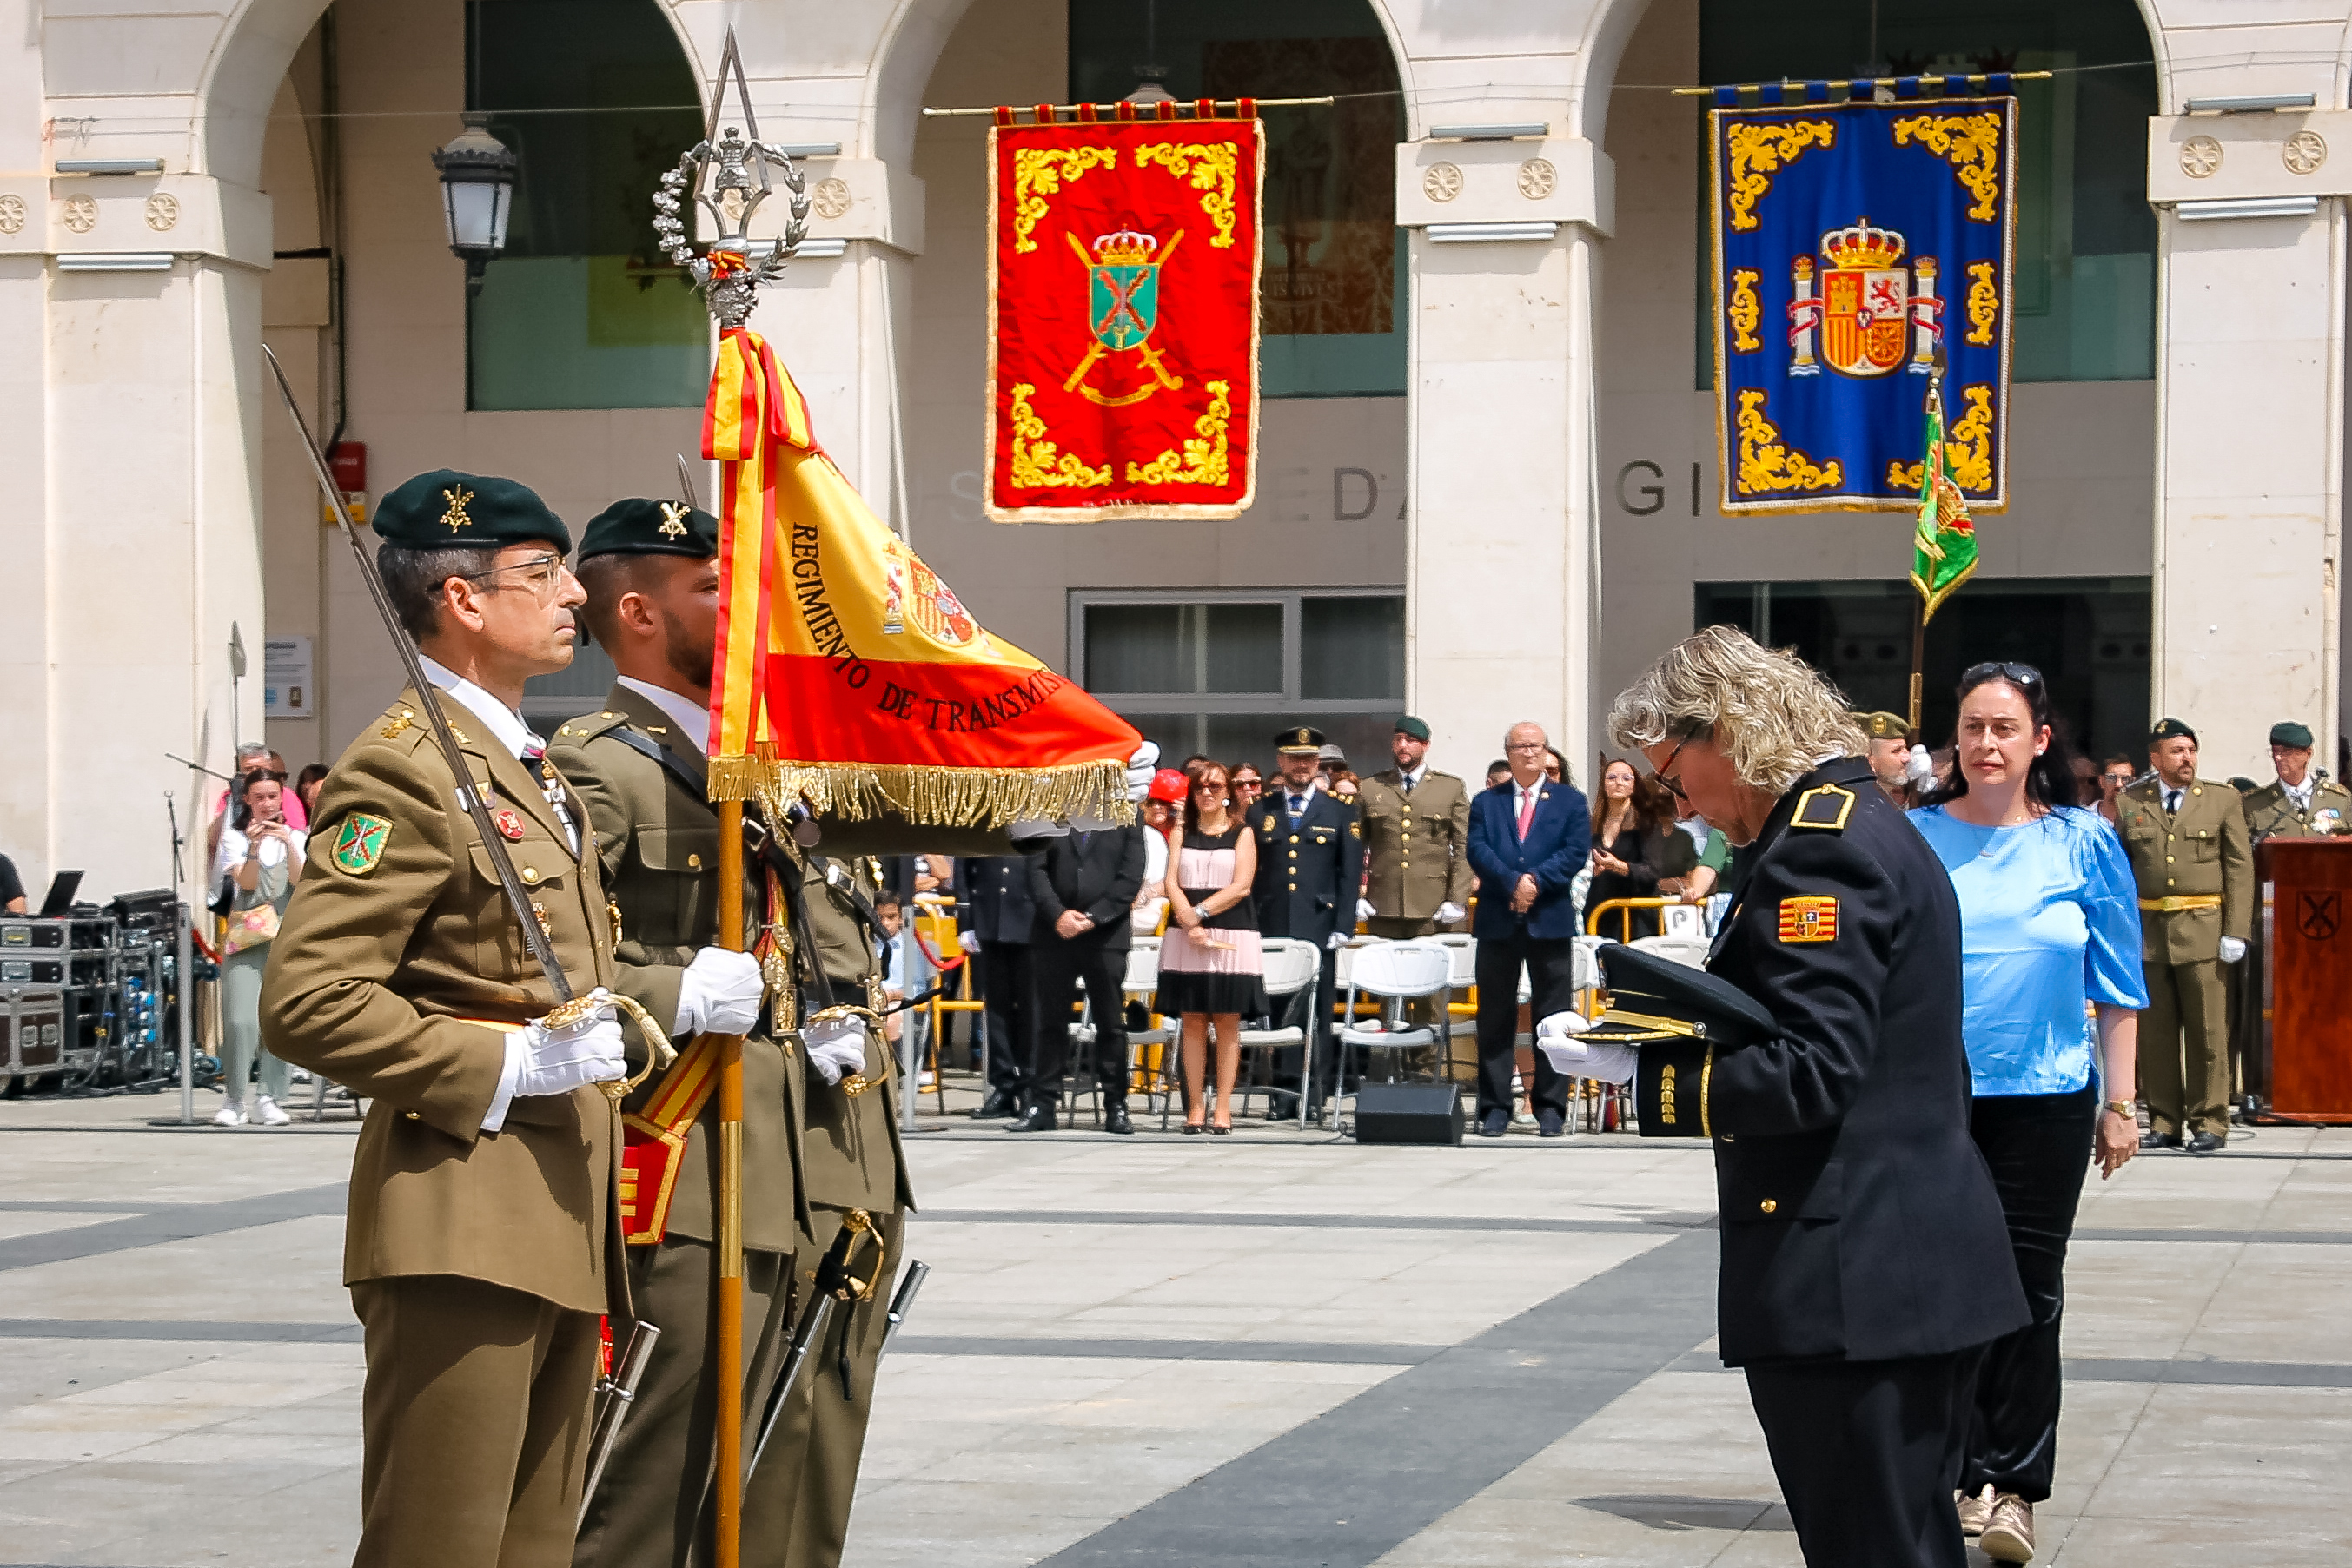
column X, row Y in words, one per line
column 2200, row 157
column 831, row 198
column 81, row 214
column 162, row 211
column 11, row 213
column 1538, row 179
column 1442, row 181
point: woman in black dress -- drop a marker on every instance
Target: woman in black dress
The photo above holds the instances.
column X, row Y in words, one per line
column 1212, row 968
column 1636, row 847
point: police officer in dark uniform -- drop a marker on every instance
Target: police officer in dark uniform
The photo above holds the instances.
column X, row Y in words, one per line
column 1865, row 1260
column 992, row 921
column 1310, row 864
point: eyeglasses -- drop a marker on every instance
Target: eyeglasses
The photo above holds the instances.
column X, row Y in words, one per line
column 2018, row 675
column 546, row 572
column 1525, row 746
column 1660, row 774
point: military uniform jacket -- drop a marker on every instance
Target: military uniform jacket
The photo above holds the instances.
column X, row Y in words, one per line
column 997, row 905
column 658, row 843
column 2272, row 813
column 1418, row 843
column 1308, row 872
column 396, row 933
column 1859, row 1221
column 2200, row 852
column 850, row 1153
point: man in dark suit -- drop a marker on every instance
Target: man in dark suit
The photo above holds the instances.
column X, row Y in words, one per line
column 1080, row 891
column 1310, row 861
column 1866, row 1259
column 992, row 925
column 1529, row 838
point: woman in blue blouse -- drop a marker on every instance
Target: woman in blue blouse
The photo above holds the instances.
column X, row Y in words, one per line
column 2050, row 922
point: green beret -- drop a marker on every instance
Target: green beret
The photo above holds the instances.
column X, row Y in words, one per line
column 1412, row 726
column 2168, row 729
column 445, row 507
column 2291, row 733
column 1884, row 726
column 640, row 526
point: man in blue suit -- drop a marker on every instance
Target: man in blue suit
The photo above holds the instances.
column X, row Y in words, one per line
column 1529, row 838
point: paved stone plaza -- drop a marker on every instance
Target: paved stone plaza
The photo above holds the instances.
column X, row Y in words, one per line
column 1166, row 1352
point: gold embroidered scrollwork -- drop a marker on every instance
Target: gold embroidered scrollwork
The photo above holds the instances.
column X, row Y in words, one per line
column 1745, row 312
column 1984, row 302
column 1968, row 447
column 1039, row 173
column 1970, row 143
column 1209, row 170
column 1203, row 460
column 1759, row 150
column 1767, row 463
column 1037, row 462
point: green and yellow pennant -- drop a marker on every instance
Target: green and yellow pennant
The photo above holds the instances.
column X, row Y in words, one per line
column 1944, row 548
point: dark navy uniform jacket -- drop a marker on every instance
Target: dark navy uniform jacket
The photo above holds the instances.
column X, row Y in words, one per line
column 995, row 901
column 1308, row 872
column 1859, row 1221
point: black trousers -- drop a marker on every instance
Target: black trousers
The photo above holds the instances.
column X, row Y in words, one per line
column 1059, row 965
column 1550, row 964
column 1007, row 976
column 2037, row 1146
column 1867, row 1453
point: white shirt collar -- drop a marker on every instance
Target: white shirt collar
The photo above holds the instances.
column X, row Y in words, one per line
column 2301, row 792
column 693, row 720
column 504, row 723
column 1412, row 777
column 1523, row 790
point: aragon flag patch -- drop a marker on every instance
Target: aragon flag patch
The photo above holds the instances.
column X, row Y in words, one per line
column 359, row 843
column 1809, row 919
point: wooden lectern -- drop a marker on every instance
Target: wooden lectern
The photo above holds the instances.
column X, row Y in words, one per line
column 2308, row 977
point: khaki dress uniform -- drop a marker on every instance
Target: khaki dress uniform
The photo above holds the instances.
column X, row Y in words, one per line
column 2272, row 813
column 2195, row 870
column 479, row 1263
column 850, row 1159
column 659, row 844
column 1417, row 844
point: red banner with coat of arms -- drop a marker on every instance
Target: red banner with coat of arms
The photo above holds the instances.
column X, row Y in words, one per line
column 1123, row 274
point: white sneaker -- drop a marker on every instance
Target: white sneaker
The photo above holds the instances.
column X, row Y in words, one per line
column 265, row 1111
column 229, row 1115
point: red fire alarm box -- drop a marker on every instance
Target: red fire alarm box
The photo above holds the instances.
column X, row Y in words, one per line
column 348, row 462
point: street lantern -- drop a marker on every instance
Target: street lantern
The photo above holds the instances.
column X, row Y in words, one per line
column 477, row 182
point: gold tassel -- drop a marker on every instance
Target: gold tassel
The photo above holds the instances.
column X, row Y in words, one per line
column 936, row 797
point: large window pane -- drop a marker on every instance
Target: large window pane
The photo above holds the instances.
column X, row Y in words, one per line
column 1186, row 648
column 1351, row 649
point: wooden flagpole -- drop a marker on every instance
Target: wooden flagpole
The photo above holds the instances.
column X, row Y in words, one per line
column 728, row 1363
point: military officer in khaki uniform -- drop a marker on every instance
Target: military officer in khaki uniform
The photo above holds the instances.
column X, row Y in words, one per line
column 483, row 1238
column 1890, row 753
column 2299, row 803
column 640, row 765
column 1416, row 827
column 2187, row 842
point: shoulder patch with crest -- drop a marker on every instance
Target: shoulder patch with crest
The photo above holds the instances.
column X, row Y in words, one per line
column 1811, row 919
column 359, row 843
column 1824, row 806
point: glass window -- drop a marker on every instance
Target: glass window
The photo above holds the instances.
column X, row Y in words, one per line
column 1332, row 289
column 581, row 312
column 1189, row 648
column 1351, row 648
column 2085, row 282
column 2087, row 636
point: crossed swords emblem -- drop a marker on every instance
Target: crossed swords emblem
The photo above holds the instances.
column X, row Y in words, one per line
column 1122, row 310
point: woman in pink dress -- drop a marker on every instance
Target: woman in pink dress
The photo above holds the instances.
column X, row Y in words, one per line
column 1211, row 968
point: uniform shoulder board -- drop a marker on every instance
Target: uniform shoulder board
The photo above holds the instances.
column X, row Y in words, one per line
column 587, row 727
column 1823, row 806
column 403, row 724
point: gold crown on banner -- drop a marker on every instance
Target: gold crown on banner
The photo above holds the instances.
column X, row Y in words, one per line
column 1124, row 248
column 1861, row 245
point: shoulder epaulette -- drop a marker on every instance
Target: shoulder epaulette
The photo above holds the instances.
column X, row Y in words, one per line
column 406, row 724
column 587, row 727
column 1823, row 806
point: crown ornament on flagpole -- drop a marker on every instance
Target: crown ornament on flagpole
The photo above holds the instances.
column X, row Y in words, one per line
column 726, row 175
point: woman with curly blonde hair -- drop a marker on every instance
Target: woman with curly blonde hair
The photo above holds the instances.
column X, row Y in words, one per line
column 1865, row 1263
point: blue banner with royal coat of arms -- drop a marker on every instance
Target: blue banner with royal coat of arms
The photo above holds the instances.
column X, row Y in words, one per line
column 1853, row 241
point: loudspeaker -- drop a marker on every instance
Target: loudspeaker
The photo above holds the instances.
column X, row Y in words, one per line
column 1409, row 1114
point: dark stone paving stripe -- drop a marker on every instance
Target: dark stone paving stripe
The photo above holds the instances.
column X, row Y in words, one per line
column 233, row 1333
column 2229, row 1237
column 180, row 1222
column 1167, row 1349
column 1478, row 1222
column 1350, row 1486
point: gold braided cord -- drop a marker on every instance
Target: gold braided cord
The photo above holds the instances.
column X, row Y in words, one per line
column 938, row 796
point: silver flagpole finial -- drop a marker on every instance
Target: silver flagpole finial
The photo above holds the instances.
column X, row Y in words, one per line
column 726, row 174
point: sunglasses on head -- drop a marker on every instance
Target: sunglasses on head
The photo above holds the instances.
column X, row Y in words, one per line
column 2018, row 675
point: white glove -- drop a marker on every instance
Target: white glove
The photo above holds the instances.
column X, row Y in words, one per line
column 1336, row 940
column 1606, row 1060
column 2232, row 950
column 968, row 940
column 1140, row 770
column 719, row 994
column 1919, row 770
column 1451, row 913
column 1364, row 909
column 836, row 1047
column 543, row 1061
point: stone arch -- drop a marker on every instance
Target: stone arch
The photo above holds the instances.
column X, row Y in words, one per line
column 240, row 81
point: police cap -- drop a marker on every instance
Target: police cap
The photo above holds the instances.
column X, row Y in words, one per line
column 1652, row 998
column 2291, row 733
column 2169, row 729
column 641, row 527
column 1303, row 739
column 445, row 507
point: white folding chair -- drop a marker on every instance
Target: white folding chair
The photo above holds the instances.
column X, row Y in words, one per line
column 1683, row 919
column 1291, row 970
column 1688, row 951
column 1394, row 973
column 1139, row 983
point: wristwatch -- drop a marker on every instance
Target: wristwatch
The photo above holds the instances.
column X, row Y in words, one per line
column 2121, row 1107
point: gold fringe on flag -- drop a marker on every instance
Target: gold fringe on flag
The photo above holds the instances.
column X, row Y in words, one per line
column 944, row 797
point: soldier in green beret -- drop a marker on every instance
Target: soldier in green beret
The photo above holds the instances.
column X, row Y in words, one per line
column 483, row 1241
column 2301, row 802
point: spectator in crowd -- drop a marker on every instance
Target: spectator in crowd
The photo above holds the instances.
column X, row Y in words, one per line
column 890, row 949
column 11, row 888
column 1248, row 785
column 251, row 756
column 1529, row 838
column 2087, row 779
column 1211, row 967
column 1329, row 763
column 1705, row 880
column 1082, row 888
column 994, row 923
column 1346, row 785
column 1635, row 846
column 2048, row 923
column 1310, row 864
column 2115, row 775
column 1556, row 766
column 1890, row 753
column 306, row 789
column 1160, row 814
column 1500, row 769
column 262, row 855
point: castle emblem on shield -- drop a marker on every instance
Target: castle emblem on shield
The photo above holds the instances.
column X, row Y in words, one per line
column 1870, row 309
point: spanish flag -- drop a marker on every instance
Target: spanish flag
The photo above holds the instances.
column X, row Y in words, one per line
column 846, row 672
